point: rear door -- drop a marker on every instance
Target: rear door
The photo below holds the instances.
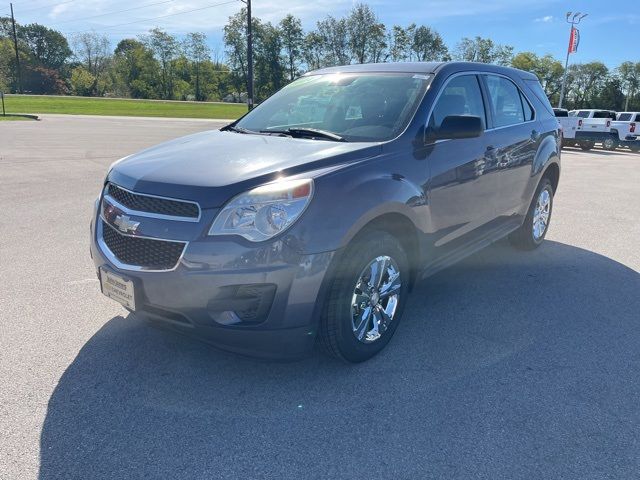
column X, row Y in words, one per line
column 514, row 138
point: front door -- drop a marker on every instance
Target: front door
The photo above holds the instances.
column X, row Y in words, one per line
column 462, row 190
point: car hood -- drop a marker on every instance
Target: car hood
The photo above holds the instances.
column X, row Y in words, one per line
column 212, row 166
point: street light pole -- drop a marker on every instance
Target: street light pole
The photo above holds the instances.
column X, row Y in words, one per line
column 573, row 21
column 249, row 55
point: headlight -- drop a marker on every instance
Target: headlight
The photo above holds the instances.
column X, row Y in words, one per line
column 265, row 211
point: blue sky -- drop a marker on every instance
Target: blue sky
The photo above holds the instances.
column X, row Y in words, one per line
column 609, row 33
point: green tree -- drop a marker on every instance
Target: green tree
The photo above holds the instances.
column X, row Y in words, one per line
column 548, row 70
column 400, row 41
column 334, row 40
column 483, row 50
column 313, row 50
column 269, row 65
column 135, row 72
column 292, row 37
column 91, row 49
column 46, row 47
column 82, row 81
column 197, row 52
column 363, row 30
column 165, row 49
column 629, row 74
column 427, row 45
column 584, row 82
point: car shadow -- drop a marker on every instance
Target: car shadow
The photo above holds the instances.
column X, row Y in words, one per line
column 507, row 363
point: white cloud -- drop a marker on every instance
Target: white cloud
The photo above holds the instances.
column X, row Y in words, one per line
column 545, row 19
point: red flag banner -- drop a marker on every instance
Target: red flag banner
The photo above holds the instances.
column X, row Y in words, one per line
column 574, row 40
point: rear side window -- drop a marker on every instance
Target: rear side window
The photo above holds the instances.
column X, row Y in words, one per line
column 505, row 102
column 536, row 88
column 528, row 109
column 461, row 96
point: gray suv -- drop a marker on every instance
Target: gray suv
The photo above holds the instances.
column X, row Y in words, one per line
column 311, row 217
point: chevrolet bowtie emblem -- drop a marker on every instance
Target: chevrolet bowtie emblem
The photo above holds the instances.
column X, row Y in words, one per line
column 125, row 224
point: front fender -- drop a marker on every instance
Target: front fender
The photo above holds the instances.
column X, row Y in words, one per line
column 347, row 200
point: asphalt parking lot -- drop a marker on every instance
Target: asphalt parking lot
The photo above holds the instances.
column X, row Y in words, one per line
column 509, row 365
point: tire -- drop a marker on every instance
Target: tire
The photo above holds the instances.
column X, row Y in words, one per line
column 342, row 332
column 586, row 146
column 527, row 237
column 610, row 144
column 635, row 148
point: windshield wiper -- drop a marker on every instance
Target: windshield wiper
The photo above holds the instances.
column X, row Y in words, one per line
column 307, row 132
column 233, row 128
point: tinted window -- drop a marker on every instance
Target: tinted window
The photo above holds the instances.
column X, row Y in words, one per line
column 637, row 118
column 537, row 90
column 624, row 117
column 526, row 106
column 359, row 107
column 583, row 114
column 560, row 113
column 504, row 98
column 461, row 96
column 604, row 114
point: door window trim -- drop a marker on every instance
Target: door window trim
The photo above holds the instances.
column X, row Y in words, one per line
column 480, row 77
column 535, row 112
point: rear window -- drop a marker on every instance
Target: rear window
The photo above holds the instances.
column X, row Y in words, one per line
column 604, row 114
column 637, row 118
column 560, row 113
column 625, row 117
column 583, row 113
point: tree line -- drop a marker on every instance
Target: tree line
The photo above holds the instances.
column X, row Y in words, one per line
column 158, row 65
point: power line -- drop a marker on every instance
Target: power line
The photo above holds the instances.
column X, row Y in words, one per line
column 114, row 12
column 160, row 17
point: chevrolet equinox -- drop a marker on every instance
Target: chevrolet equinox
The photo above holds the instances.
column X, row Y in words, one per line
column 312, row 216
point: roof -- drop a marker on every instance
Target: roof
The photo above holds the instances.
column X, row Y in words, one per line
column 422, row 67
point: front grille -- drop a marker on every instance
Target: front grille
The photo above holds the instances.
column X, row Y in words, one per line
column 146, row 203
column 142, row 252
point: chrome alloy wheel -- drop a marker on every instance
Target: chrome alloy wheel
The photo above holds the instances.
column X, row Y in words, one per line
column 375, row 299
column 541, row 214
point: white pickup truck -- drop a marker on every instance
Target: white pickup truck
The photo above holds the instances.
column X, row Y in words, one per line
column 594, row 126
column 569, row 127
column 626, row 127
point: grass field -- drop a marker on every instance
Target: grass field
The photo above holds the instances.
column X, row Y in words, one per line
column 122, row 107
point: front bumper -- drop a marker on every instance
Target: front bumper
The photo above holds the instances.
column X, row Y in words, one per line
column 213, row 278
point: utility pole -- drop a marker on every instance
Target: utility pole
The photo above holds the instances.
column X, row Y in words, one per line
column 573, row 47
column 249, row 55
column 15, row 44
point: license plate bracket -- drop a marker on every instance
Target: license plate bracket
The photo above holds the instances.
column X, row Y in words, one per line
column 118, row 288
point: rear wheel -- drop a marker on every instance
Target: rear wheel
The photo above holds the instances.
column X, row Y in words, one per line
column 635, row 148
column 610, row 144
column 532, row 232
column 587, row 145
column 366, row 297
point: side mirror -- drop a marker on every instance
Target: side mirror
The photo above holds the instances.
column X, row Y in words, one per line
column 458, row 126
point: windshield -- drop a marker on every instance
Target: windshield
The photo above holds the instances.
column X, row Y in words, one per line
column 355, row 107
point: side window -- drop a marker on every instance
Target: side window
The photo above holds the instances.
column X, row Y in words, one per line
column 528, row 109
column 504, row 98
column 638, row 118
column 461, row 96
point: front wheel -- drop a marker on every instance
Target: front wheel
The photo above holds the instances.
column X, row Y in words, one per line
column 532, row 232
column 365, row 298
